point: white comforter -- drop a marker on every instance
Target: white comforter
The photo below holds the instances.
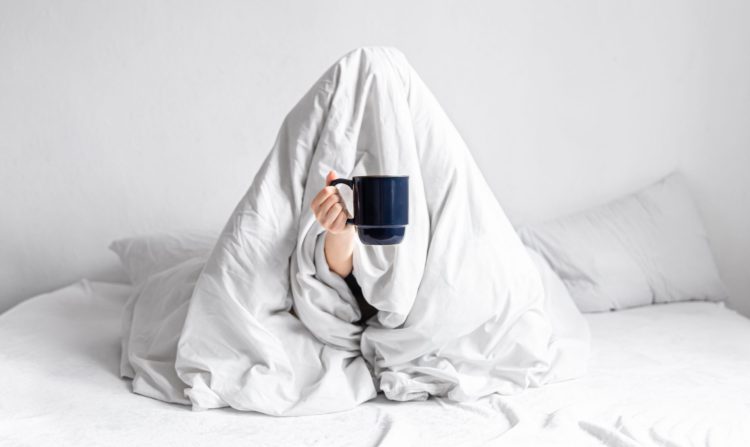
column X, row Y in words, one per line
column 461, row 307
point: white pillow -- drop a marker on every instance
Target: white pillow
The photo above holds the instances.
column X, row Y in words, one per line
column 649, row 247
column 143, row 256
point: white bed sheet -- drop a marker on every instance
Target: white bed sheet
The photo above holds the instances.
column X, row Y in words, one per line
column 672, row 374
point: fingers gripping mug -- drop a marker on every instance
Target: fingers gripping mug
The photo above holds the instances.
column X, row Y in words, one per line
column 381, row 207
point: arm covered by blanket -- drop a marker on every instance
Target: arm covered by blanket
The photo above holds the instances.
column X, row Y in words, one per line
column 461, row 305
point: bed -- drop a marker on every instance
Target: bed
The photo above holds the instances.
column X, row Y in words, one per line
column 672, row 374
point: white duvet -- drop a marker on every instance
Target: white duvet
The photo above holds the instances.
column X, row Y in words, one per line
column 462, row 312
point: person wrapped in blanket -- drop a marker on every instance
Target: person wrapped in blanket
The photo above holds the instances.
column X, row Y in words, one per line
column 330, row 211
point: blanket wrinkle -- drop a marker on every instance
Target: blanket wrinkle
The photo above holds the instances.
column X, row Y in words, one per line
column 462, row 309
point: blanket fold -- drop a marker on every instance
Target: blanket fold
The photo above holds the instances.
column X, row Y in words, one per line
column 461, row 306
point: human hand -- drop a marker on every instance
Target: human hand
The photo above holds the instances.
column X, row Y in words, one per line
column 329, row 208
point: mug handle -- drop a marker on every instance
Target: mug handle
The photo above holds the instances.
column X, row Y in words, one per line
column 348, row 183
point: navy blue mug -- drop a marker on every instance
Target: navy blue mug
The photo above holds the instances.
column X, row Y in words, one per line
column 381, row 207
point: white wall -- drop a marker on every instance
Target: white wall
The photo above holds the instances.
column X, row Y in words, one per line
column 129, row 117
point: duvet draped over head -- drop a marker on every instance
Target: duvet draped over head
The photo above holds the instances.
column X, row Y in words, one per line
column 462, row 311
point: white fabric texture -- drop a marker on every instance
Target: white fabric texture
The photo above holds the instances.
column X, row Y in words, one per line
column 649, row 247
column 569, row 328
column 461, row 305
column 152, row 254
column 664, row 375
column 146, row 255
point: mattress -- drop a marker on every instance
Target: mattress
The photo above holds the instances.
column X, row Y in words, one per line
column 673, row 374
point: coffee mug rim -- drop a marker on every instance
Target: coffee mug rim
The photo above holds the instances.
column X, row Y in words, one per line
column 380, row 176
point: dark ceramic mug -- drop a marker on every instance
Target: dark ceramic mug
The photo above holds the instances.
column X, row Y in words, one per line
column 381, row 207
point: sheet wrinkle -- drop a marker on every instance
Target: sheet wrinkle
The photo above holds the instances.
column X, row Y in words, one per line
column 460, row 274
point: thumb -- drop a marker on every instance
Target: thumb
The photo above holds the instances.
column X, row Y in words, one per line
column 330, row 177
